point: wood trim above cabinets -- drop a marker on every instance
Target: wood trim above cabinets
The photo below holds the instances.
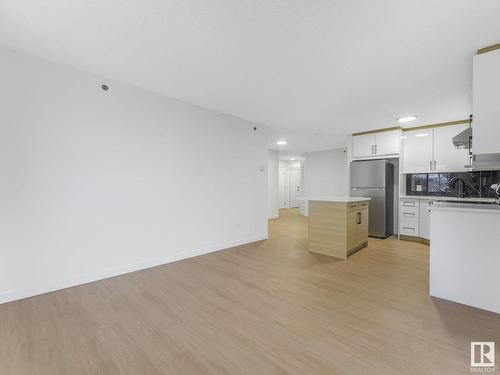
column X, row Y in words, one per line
column 377, row 131
column 428, row 126
column 488, row 49
column 439, row 125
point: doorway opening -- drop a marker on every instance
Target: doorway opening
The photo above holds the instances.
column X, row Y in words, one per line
column 290, row 183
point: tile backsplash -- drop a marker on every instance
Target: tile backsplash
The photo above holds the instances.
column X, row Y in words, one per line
column 477, row 184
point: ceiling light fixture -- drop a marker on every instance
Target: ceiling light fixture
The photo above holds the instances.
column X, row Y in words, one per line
column 407, row 118
column 281, row 143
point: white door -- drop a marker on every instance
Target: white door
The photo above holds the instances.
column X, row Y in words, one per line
column 362, row 146
column 295, row 186
column 283, row 188
column 417, row 150
column 387, row 143
column 447, row 157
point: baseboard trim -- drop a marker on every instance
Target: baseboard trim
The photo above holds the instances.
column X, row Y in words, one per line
column 55, row 285
column 414, row 239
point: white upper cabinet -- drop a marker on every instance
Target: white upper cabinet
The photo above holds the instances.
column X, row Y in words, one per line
column 417, row 151
column 447, row 157
column 486, row 103
column 368, row 146
column 363, row 146
column 432, row 150
column 388, row 143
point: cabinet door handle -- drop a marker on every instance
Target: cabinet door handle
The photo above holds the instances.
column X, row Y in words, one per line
column 375, row 149
column 408, row 228
column 358, row 220
column 434, row 162
column 408, row 214
column 430, row 165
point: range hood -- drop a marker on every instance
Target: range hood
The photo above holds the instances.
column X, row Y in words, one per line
column 463, row 139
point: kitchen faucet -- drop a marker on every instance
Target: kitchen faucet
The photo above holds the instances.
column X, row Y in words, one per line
column 461, row 192
column 466, row 186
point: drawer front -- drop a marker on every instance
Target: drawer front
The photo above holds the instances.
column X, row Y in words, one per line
column 409, row 202
column 409, row 213
column 408, row 227
column 357, row 206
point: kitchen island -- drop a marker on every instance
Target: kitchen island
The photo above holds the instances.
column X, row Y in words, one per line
column 338, row 226
column 465, row 253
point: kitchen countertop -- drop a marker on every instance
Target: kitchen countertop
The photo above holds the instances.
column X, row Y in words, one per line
column 451, row 199
column 466, row 207
column 335, row 199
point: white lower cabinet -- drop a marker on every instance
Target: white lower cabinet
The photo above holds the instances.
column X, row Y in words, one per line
column 414, row 217
column 424, row 219
column 408, row 217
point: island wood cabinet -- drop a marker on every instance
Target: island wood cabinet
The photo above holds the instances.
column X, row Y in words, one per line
column 337, row 229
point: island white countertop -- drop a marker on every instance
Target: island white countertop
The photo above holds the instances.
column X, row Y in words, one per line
column 335, row 199
column 466, row 207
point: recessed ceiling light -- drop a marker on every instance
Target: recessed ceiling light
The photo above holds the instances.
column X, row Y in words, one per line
column 422, row 135
column 292, row 158
column 281, row 142
column 407, row 118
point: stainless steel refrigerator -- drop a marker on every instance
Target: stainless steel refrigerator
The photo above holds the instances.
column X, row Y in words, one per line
column 375, row 179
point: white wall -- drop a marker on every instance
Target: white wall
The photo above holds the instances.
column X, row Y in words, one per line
column 272, row 183
column 95, row 183
column 325, row 173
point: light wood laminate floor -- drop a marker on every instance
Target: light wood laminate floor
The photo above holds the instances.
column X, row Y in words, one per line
column 265, row 308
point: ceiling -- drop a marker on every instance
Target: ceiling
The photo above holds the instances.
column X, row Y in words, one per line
column 313, row 70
